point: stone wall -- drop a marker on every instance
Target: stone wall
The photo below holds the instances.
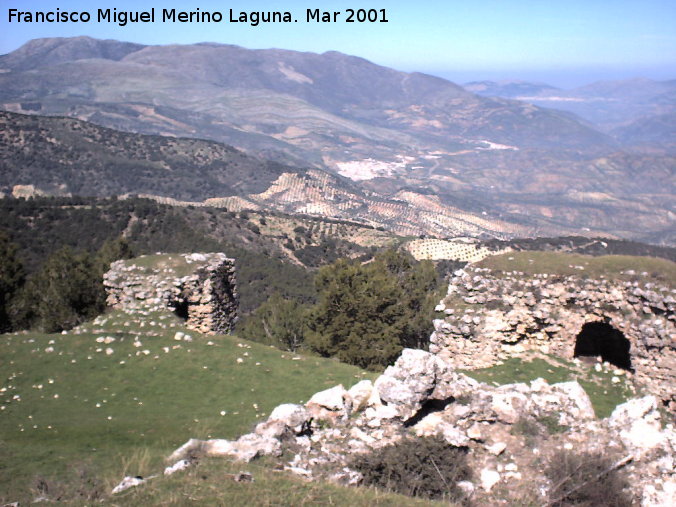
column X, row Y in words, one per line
column 489, row 317
column 199, row 287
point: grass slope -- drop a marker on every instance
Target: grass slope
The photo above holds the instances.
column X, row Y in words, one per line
column 70, row 402
column 211, row 483
column 617, row 267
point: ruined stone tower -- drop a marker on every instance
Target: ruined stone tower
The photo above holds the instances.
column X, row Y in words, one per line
column 200, row 288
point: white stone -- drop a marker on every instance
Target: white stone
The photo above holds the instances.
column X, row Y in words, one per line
column 474, row 432
column 454, row 436
column 195, row 257
column 299, row 471
column 429, row 425
column 539, row 384
column 639, row 424
column 466, row 487
column 579, row 405
column 489, row 478
column 654, row 497
column 330, row 399
column 497, row 448
column 177, row 467
column 292, row 415
column 361, row 435
column 508, row 405
column 386, row 412
column 360, row 394
column 127, row 482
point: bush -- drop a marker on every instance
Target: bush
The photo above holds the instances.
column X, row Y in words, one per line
column 278, row 321
column 424, row 467
column 64, row 293
column 12, row 277
column 586, row 479
column 367, row 313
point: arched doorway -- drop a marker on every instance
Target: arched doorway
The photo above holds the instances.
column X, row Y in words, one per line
column 598, row 339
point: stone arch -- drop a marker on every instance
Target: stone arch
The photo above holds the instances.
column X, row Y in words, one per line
column 600, row 339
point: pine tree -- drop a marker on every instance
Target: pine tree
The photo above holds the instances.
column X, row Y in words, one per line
column 358, row 316
column 66, row 291
column 367, row 313
column 279, row 322
column 12, row 277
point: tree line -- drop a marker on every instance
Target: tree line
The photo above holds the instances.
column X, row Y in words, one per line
column 66, row 291
column 364, row 315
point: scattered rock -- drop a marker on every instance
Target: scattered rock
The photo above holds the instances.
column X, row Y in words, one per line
column 497, row 448
column 489, row 478
column 328, row 404
column 128, row 482
column 177, row 467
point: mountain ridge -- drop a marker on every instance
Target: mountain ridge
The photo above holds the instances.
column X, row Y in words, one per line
column 381, row 128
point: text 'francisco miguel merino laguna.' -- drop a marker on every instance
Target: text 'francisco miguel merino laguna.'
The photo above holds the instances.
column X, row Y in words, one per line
column 254, row 18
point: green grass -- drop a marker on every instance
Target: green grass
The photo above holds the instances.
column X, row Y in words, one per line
column 211, row 483
column 609, row 266
column 98, row 412
column 603, row 393
column 174, row 262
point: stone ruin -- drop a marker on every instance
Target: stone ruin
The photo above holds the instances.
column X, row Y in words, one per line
column 629, row 324
column 423, row 395
column 201, row 288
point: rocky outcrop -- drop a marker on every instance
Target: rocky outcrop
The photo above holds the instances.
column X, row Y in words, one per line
column 199, row 287
column 489, row 317
column 423, row 395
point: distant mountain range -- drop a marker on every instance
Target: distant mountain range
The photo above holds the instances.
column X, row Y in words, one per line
column 389, row 132
column 637, row 112
column 61, row 156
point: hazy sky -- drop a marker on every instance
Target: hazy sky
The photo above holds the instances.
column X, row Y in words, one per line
column 565, row 43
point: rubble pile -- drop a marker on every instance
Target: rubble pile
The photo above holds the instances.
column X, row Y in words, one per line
column 423, row 395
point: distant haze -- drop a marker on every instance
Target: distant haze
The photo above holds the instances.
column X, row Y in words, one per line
column 563, row 43
column 560, row 78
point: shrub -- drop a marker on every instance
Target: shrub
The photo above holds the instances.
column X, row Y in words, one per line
column 367, row 313
column 278, row 321
column 533, row 428
column 424, row 467
column 12, row 277
column 586, row 479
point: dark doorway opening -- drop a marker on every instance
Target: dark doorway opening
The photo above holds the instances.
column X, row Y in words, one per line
column 181, row 309
column 598, row 339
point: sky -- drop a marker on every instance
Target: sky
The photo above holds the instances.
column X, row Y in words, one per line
column 564, row 43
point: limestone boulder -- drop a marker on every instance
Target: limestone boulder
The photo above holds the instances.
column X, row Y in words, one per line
column 418, row 376
column 638, row 423
column 362, row 395
column 329, row 404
